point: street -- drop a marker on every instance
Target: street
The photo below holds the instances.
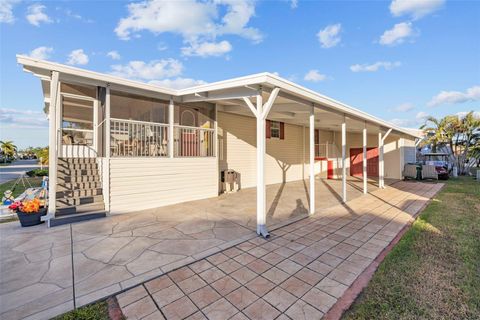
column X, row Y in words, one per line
column 15, row 169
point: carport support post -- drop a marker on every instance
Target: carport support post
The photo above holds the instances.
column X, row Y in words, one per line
column 171, row 133
column 365, row 159
column 344, row 168
column 52, row 142
column 380, row 161
column 261, row 190
column 312, row 160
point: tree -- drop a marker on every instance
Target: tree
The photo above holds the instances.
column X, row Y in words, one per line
column 42, row 155
column 459, row 136
column 8, row 149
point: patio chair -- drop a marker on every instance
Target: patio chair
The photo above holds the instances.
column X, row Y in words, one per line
column 429, row 172
column 410, row 171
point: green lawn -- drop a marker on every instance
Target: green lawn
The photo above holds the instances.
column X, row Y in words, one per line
column 34, row 181
column 434, row 271
column 97, row 311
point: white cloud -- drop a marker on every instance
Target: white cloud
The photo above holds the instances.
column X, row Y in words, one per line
column 415, row 8
column 114, row 55
column 330, row 36
column 387, row 65
column 36, row 16
column 77, row 57
column 397, row 34
column 198, row 22
column 314, row 76
column 418, row 120
column 6, row 11
column 206, row 49
column 453, row 97
column 462, row 114
column 153, row 70
column 76, row 16
column 177, row 83
column 293, row 4
column 404, row 107
column 23, row 118
column 41, row 53
column 422, row 116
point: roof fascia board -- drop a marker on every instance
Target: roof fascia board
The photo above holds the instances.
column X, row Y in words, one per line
column 104, row 78
column 328, row 102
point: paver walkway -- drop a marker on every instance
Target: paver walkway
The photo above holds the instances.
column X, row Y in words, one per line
column 299, row 273
column 39, row 266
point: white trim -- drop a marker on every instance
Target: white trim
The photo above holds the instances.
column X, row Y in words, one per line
column 251, row 106
column 52, row 142
column 269, row 104
column 171, row 132
column 344, row 167
column 266, row 80
column 380, row 162
column 312, row 159
column 364, row 163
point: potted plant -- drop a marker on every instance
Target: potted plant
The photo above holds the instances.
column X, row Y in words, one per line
column 29, row 212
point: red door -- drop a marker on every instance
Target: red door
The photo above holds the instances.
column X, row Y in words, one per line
column 330, row 169
column 356, row 162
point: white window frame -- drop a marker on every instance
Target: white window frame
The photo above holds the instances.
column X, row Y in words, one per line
column 276, row 128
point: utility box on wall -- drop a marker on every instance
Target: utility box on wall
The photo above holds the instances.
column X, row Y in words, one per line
column 230, row 181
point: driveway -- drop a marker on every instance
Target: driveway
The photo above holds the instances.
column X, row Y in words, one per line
column 44, row 272
column 17, row 168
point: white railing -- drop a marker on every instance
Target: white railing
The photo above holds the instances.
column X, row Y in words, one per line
column 130, row 138
column 194, row 142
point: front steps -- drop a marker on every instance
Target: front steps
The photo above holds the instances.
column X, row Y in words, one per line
column 79, row 191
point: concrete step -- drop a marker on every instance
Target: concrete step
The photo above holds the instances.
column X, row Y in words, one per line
column 72, row 173
column 77, row 160
column 76, row 217
column 68, row 186
column 85, row 208
column 76, row 193
column 77, row 179
column 78, row 166
column 78, row 201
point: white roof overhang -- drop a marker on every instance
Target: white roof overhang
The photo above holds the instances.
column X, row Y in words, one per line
column 292, row 97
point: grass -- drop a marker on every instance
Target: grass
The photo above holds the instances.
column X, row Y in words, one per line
column 34, row 181
column 434, row 271
column 96, row 311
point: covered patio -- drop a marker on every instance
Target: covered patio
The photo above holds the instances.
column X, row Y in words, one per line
column 39, row 265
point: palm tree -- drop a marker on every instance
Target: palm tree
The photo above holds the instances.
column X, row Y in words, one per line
column 8, row 149
column 460, row 135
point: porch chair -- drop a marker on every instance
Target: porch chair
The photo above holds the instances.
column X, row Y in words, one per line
column 429, row 172
column 410, row 171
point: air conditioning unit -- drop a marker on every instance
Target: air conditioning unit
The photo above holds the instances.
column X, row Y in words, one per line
column 230, row 181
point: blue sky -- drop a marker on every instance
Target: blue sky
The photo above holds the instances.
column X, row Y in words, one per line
column 399, row 60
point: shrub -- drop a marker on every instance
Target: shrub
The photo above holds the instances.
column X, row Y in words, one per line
column 37, row 173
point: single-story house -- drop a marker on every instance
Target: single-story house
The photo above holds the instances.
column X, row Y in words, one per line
column 120, row 146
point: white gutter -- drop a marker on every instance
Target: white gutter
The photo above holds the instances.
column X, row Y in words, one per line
column 260, row 79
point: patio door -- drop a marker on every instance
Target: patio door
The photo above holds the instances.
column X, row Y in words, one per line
column 77, row 136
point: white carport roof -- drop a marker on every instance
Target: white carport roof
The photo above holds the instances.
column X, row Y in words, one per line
column 293, row 99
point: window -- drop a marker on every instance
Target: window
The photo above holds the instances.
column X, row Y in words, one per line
column 274, row 129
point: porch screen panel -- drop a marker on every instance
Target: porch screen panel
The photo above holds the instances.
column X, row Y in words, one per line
column 194, row 133
column 139, row 126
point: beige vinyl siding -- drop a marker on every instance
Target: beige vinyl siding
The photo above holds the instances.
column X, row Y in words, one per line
column 137, row 183
column 237, row 151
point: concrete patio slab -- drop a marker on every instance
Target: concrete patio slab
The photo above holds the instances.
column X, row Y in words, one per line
column 121, row 251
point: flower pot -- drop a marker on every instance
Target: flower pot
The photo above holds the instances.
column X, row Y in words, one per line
column 31, row 219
